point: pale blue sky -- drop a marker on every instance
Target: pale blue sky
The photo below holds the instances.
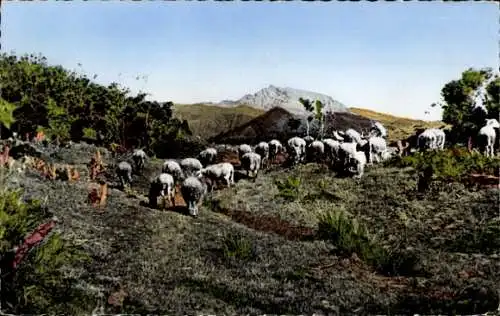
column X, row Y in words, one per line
column 390, row 57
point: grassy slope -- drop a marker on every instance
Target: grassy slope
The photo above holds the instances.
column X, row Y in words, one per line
column 207, row 121
column 398, row 127
column 170, row 263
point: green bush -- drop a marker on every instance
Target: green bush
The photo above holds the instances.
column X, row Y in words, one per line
column 39, row 284
column 237, row 246
column 450, row 164
column 67, row 105
column 349, row 237
column 289, row 189
column 345, row 233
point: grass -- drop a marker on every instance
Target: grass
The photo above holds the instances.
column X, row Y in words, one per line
column 207, row 121
column 397, row 127
column 341, row 245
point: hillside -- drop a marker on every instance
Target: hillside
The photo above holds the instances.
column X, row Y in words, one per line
column 258, row 247
column 208, row 120
column 398, row 127
column 287, row 98
column 280, row 124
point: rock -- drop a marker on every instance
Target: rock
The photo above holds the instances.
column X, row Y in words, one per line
column 287, row 98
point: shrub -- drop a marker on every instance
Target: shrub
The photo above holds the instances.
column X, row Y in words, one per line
column 345, row 233
column 289, row 189
column 39, row 284
column 89, row 133
column 237, row 246
column 454, row 163
column 351, row 237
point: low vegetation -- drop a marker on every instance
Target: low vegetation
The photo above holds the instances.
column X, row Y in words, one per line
column 45, row 279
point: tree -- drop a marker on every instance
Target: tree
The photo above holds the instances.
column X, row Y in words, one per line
column 308, row 106
column 318, row 105
column 68, row 105
column 461, row 106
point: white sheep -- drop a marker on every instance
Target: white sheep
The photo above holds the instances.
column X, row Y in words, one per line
column 357, row 163
column 487, row 137
column 191, row 166
column 262, row 149
column 208, row 156
column 193, row 190
column 346, row 151
column 275, row 147
column 316, row 150
column 426, row 140
column 124, row 172
column 378, row 130
column 352, row 135
column 337, row 136
column 251, row 162
column 172, row 167
column 376, row 148
column 440, row 138
column 139, row 157
column 308, row 139
column 164, row 186
column 296, row 149
column 331, row 148
column 243, row 149
column 221, row 171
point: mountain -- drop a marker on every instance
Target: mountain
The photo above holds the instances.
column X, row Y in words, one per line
column 286, row 98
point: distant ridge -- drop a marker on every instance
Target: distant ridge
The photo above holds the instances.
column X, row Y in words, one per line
column 286, row 98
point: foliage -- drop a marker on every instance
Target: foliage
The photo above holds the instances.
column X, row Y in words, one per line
column 40, row 283
column 451, row 164
column 349, row 237
column 289, row 189
column 460, row 102
column 237, row 246
column 309, row 107
column 345, row 233
column 67, row 105
column 318, row 107
column 6, row 113
column 484, row 239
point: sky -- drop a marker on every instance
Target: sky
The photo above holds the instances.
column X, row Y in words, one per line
column 392, row 57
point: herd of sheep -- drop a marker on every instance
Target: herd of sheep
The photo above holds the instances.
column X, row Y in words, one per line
column 346, row 151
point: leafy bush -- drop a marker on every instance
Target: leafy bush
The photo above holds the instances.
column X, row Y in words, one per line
column 345, row 233
column 351, row 237
column 40, row 283
column 289, row 189
column 67, row 105
column 453, row 163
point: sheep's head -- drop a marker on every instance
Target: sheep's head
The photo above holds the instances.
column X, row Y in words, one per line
column 493, row 123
